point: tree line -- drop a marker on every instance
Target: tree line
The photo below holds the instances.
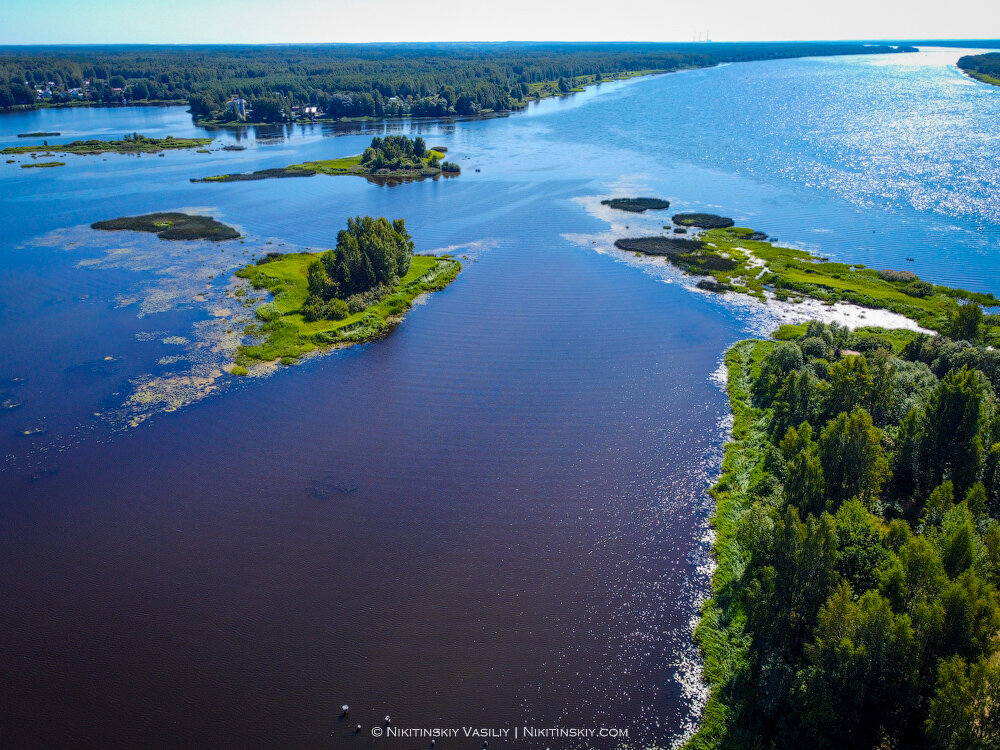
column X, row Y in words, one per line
column 858, row 593
column 988, row 64
column 370, row 258
column 381, row 80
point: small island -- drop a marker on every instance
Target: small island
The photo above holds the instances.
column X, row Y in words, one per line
column 636, row 205
column 43, row 165
column 394, row 158
column 172, row 226
column 351, row 294
column 130, row 144
column 737, row 259
column 985, row 68
column 38, row 134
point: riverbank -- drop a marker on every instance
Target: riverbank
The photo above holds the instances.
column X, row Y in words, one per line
column 983, row 68
column 831, row 497
column 283, row 333
column 128, row 145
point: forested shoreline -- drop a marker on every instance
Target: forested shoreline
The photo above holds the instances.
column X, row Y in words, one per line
column 280, row 82
column 985, row 68
column 855, row 601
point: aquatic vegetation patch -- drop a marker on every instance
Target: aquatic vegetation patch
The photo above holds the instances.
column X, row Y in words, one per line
column 172, row 226
column 636, row 205
column 703, row 221
column 43, row 165
column 260, row 174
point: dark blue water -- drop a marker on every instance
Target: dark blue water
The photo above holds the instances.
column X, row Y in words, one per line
column 496, row 516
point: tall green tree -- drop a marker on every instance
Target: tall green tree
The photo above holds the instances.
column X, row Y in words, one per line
column 854, row 462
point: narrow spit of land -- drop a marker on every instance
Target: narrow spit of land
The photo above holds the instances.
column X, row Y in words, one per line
column 737, row 259
column 130, row 144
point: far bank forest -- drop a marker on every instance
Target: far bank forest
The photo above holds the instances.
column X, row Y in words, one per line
column 281, row 83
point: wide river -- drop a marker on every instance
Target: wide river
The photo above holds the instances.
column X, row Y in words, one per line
column 496, row 517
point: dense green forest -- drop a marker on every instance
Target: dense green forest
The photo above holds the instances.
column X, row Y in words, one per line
column 984, row 67
column 351, row 80
column 855, row 604
column 371, row 256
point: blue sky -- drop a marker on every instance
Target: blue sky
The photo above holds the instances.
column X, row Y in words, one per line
column 263, row 21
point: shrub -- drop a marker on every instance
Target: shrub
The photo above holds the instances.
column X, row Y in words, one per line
column 889, row 275
column 336, row 309
column 919, row 289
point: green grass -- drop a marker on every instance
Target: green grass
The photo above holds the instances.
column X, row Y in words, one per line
column 985, row 78
column 124, row 146
column 286, row 335
column 796, row 274
column 44, row 164
column 546, row 89
column 720, row 633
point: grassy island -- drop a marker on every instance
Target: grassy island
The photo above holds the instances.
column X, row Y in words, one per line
column 172, row 226
column 130, row 144
column 636, row 205
column 985, row 68
column 855, row 601
column 43, row 165
column 348, row 295
column 740, row 260
column 393, row 158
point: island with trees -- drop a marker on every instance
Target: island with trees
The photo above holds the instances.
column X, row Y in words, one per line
column 985, row 68
column 393, row 158
column 855, row 602
column 135, row 143
column 737, row 259
column 238, row 84
column 353, row 293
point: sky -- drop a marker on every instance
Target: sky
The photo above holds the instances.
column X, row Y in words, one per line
column 275, row 21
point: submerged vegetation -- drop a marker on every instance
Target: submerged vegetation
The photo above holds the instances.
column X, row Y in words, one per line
column 855, row 601
column 393, row 157
column 344, row 296
column 985, row 68
column 135, row 143
column 741, row 260
column 636, row 205
column 172, row 226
